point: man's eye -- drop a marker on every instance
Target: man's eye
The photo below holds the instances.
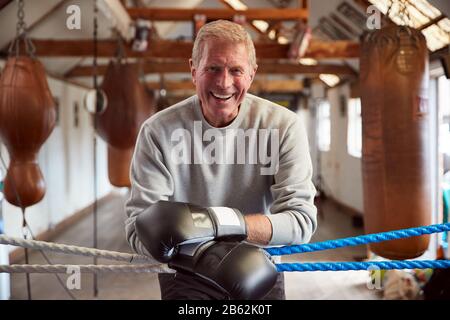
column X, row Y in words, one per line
column 236, row 72
column 213, row 69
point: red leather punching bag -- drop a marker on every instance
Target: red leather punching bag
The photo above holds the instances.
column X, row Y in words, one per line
column 129, row 105
column 396, row 137
column 27, row 117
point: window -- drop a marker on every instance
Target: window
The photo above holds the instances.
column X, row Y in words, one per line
column 444, row 109
column 443, row 102
column 418, row 14
column 324, row 126
column 354, row 130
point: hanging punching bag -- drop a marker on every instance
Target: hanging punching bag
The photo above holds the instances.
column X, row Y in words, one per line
column 396, row 137
column 129, row 105
column 27, row 117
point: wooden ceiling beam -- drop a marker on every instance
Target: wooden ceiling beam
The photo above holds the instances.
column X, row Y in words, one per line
column 317, row 49
column 339, row 49
column 264, row 67
column 296, row 68
column 432, row 21
column 266, row 85
column 166, row 14
column 287, row 85
column 149, row 67
column 4, row 3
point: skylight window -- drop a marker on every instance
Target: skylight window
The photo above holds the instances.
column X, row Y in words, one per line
column 445, row 24
column 436, row 37
column 417, row 17
column 236, row 4
column 381, row 5
column 417, row 14
column 427, row 9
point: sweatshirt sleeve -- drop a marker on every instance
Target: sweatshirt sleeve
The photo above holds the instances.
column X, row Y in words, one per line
column 293, row 213
column 150, row 180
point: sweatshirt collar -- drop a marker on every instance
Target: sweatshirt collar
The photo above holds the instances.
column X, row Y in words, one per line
column 243, row 110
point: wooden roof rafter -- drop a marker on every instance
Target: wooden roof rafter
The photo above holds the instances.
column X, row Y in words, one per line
column 317, row 49
column 264, row 67
column 270, row 85
column 169, row 14
column 4, row 3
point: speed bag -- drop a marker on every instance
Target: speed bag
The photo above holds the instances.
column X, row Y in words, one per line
column 27, row 118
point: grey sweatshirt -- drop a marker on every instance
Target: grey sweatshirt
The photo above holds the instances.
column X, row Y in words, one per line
column 259, row 163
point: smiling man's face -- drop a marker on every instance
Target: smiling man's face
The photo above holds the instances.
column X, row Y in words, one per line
column 222, row 79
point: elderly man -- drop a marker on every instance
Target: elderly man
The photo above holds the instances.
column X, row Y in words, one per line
column 222, row 147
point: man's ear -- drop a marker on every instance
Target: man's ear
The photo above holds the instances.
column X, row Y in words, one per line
column 252, row 75
column 193, row 70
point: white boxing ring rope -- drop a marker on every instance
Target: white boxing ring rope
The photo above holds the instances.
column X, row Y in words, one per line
column 146, row 264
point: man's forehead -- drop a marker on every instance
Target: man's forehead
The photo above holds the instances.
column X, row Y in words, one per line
column 223, row 61
column 234, row 54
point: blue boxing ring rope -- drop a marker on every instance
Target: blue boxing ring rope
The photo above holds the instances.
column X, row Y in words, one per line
column 360, row 240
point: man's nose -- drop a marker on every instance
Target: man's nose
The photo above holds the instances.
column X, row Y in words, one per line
column 225, row 80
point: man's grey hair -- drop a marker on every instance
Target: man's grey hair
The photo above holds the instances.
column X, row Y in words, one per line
column 223, row 30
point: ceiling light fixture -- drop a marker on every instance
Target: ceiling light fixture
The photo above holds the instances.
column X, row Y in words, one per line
column 330, row 79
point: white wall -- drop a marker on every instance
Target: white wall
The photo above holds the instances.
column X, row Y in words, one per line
column 340, row 172
column 343, row 169
column 4, row 277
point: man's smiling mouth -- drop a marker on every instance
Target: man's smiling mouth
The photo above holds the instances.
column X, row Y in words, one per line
column 221, row 97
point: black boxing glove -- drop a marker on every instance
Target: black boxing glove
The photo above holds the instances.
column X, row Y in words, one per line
column 241, row 270
column 164, row 226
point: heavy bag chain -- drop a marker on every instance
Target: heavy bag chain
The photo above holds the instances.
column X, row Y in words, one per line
column 120, row 55
column 94, row 144
column 408, row 41
column 21, row 34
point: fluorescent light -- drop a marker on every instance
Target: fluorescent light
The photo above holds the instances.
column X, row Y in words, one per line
column 308, row 61
column 282, row 40
column 272, row 34
column 261, row 25
column 236, row 4
column 330, row 79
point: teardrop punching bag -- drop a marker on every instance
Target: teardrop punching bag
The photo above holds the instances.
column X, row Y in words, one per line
column 129, row 105
column 27, row 117
column 396, row 137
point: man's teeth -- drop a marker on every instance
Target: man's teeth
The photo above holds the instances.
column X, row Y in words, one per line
column 219, row 96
